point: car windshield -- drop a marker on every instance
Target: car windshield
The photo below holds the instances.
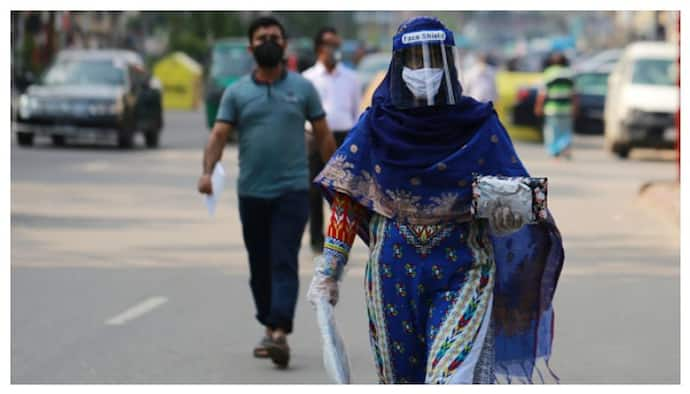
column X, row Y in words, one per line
column 594, row 84
column 654, row 72
column 230, row 61
column 86, row 72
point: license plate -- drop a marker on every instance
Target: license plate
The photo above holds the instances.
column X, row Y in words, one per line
column 64, row 129
column 670, row 134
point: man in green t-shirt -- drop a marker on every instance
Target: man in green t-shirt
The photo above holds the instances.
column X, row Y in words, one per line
column 268, row 109
column 555, row 102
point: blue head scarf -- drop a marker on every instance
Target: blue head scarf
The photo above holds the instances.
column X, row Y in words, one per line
column 417, row 166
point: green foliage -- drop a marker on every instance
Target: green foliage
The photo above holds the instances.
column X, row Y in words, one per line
column 193, row 32
column 308, row 23
column 189, row 43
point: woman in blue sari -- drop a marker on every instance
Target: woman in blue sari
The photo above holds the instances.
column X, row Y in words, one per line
column 450, row 298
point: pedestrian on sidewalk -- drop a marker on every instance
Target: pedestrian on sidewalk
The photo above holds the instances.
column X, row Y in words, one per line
column 268, row 108
column 339, row 90
column 450, row 298
column 480, row 81
column 555, row 102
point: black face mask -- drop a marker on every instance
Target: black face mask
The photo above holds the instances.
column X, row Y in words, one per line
column 334, row 55
column 268, row 54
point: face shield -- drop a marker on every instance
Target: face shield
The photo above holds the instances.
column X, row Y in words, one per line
column 423, row 72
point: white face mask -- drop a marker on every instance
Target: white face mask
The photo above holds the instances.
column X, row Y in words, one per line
column 416, row 80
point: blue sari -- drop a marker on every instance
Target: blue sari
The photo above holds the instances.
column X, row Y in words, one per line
column 416, row 166
column 558, row 133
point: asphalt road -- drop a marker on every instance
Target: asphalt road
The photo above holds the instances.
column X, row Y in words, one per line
column 118, row 274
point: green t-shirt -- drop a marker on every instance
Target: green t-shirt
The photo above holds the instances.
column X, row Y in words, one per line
column 269, row 120
column 559, row 87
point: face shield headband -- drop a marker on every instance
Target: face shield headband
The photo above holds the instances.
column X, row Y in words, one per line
column 422, row 64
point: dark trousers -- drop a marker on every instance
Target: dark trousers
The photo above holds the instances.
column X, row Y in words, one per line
column 316, row 165
column 272, row 231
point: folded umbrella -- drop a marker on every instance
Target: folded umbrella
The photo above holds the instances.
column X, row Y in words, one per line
column 335, row 358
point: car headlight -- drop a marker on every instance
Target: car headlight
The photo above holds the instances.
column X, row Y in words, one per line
column 27, row 106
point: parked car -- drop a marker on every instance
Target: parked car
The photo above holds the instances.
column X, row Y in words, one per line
column 92, row 92
column 523, row 109
column 229, row 61
column 606, row 59
column 517, row 91
column 590, row 95
column 642, row 99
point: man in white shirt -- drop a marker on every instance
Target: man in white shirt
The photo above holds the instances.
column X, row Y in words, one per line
column 339, row 90
column 480, row 81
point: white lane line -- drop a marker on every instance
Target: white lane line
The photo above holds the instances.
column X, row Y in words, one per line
column 137, row 310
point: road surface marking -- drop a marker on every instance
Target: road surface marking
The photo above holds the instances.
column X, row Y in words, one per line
column 96, row 166
column 136, row 311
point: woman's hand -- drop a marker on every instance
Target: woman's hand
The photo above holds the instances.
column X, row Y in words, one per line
column 323, row 286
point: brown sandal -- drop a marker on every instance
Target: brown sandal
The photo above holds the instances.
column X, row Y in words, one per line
column 260, row 350
column 279, row 351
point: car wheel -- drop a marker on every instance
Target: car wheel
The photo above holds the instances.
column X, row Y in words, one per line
column 58, row 140
column 621, row 150
column 25, row 139
column 152, row 138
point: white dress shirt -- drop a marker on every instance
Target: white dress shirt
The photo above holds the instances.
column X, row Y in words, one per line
column 339, row 92
column 480, row 83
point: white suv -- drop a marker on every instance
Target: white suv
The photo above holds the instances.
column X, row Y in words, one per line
column 642, row 99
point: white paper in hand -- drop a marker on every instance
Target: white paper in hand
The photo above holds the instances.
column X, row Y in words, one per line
column 335, row 358
column 217, row 183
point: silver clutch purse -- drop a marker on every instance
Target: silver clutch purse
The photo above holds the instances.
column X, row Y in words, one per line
column 524, row 196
